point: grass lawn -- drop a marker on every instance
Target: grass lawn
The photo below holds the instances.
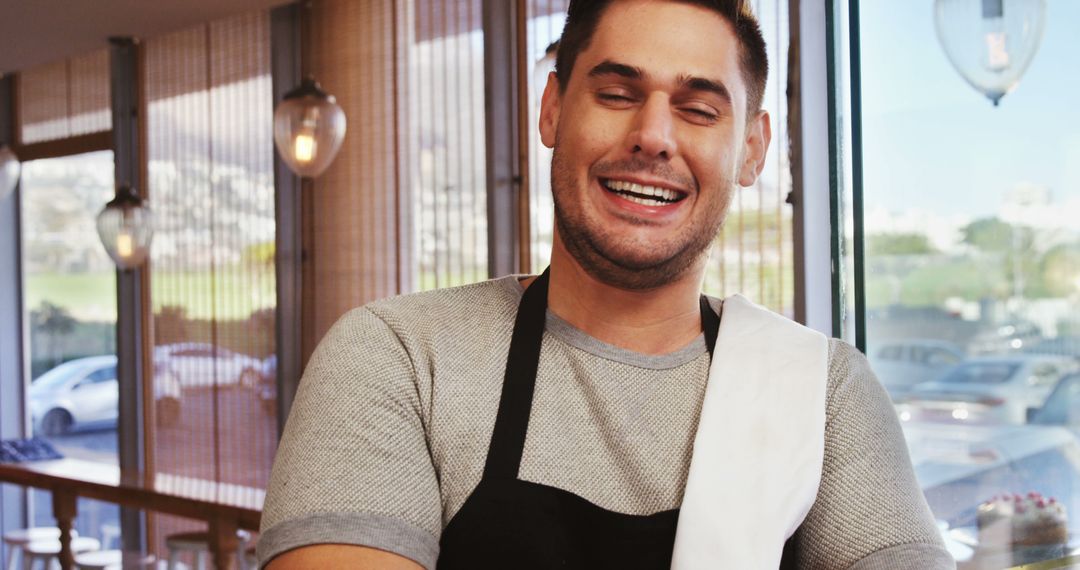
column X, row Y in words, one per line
column 92, row 296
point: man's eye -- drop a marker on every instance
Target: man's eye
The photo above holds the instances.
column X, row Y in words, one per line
column 620, row 98
column 699, row 114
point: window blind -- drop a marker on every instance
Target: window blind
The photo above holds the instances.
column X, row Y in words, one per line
column 65, row 98
column 209, row 176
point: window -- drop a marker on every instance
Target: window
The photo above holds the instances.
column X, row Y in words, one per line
column 69, row 297
column 970, row 236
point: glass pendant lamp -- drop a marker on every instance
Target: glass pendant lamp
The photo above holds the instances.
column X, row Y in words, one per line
column 9, row 171
column 125, row 227
column 309, row 127
column 990, row 42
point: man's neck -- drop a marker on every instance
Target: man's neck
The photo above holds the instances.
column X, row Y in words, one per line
column 654, row 321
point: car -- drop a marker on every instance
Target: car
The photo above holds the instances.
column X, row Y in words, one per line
column 901, row 364
column 987, row 389
column 1062, row 407
column 84, row 394
column 203, row 365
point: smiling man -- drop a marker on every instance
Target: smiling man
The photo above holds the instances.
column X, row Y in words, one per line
column 605, row 414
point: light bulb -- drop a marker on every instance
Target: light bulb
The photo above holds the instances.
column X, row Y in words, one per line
column 304, row 147
column 996, row 55
column 125, row 245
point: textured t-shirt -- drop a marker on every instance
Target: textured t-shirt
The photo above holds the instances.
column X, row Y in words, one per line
column 390, row 428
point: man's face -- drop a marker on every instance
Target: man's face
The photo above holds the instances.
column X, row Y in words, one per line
column 649, row 139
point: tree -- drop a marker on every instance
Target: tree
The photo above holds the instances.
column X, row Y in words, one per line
column 55, row 322
column 899, row 244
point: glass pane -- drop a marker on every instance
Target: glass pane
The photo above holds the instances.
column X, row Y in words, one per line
column 973, row 269
column 70, row 302
column 446, row 151
column 212, row 281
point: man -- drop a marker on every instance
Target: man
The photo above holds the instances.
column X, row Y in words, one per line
column 592, row 417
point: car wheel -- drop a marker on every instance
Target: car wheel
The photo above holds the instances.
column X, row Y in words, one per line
column 249, row 378
column 56, row 422
column 168, row 412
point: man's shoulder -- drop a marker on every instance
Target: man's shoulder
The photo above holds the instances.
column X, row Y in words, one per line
column 463, row 310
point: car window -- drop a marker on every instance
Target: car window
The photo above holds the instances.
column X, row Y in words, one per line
column 940, row 357
column 1044, row 375
column 890, row 352
column 99, row 376
column 981, row 373
column 1063, row 405
column 193, row 353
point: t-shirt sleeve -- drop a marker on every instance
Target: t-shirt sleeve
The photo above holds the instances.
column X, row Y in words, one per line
column 353, row 465
column 870, row 513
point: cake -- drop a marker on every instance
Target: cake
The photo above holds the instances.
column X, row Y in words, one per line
column 1017, row 523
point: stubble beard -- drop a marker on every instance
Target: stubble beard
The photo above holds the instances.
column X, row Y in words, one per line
column 617, row 260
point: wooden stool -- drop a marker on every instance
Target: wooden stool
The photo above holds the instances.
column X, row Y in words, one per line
column 199, row 543
column 49, row 550
column 17, row 539
column 114, row 560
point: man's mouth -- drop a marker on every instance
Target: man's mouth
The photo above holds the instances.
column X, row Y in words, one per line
column 641, row 194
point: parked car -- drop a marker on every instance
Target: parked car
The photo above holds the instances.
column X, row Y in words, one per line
column 84, row 394
column 1062, row 407
column 202, row 365
column 987, row 389
column 902, row 364
column 268, row 387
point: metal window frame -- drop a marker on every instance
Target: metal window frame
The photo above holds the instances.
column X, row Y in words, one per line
column 285, row 65
column 134, row 364
column 507, row 158
column 13, row 417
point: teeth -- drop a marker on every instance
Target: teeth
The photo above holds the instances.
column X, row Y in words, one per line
column 664, row 193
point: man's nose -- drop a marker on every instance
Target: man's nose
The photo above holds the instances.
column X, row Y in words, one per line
column 653, row 134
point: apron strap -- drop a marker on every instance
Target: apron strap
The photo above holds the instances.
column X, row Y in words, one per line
column 512, row 420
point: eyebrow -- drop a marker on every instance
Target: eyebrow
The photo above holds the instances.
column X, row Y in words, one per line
column 693, row 83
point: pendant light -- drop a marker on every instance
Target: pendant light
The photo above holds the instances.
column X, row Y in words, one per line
column 9, row 171
column 990, row 42
column 125, row 227
column 309, row 127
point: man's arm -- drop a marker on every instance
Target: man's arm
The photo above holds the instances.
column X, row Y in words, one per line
column 353, row 466
column 341, row 556
column 870, row 513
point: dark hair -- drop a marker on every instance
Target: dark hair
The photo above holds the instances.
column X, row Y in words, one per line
column 583, row 16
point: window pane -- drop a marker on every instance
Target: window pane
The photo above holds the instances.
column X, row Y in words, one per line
column 70, row 302
column 212, row 282
column 973, row 253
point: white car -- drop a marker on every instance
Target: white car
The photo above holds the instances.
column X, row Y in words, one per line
column 84, row 394
column 987, row 389
column 202, row 365
column 902, row 364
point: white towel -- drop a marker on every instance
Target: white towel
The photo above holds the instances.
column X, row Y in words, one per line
column 760, row 443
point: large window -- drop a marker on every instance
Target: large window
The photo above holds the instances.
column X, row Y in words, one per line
column 972, row 262
column 69, row 296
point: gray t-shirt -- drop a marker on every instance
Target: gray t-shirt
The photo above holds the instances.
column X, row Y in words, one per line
column 390, row 428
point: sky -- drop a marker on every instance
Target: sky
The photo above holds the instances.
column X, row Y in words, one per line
column 934, row 146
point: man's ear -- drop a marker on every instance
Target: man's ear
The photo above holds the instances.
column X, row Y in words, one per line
column 549, row 111
column 758, row 135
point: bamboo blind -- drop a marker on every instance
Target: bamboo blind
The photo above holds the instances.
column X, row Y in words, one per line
column 209, row 144
column 353, row 208
column 753, row 254
column 65, row 99
column 404, row 205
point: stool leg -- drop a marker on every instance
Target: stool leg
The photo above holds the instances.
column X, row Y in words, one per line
column 10, row 564
column 200, row 560
column 173, row 555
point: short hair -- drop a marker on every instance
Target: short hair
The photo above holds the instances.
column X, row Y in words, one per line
column 583, row 16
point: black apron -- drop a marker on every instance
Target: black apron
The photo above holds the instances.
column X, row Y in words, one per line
column 508, row 523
